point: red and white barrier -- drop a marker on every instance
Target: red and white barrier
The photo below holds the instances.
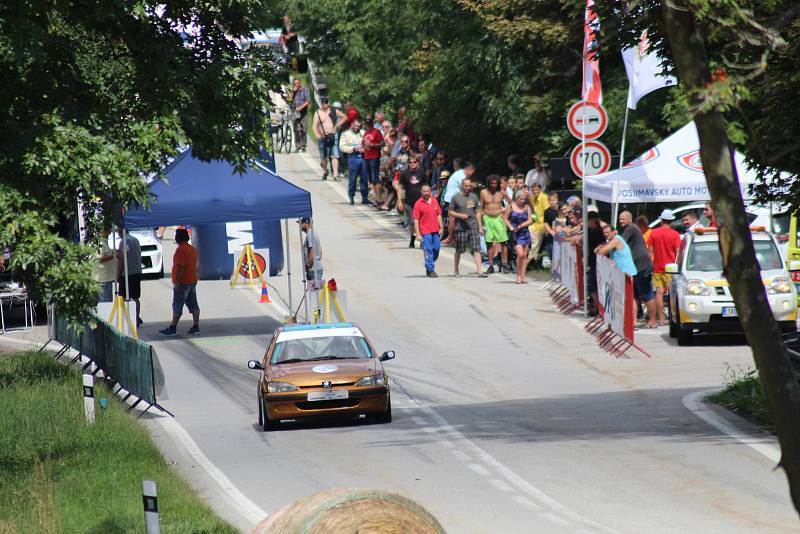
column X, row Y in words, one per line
column 568, row 296
column 613, row 327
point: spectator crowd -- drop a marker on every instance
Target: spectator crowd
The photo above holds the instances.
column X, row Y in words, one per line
column 508, row 224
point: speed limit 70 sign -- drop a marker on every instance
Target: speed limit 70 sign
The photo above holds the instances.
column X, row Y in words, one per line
column 595, row 159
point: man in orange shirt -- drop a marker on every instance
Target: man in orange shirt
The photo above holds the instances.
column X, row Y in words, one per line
column 184, row 283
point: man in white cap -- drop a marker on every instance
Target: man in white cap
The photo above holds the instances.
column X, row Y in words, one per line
column 665, row 242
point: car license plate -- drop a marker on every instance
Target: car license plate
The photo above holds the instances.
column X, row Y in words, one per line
column 729, row 312
column 334, row 394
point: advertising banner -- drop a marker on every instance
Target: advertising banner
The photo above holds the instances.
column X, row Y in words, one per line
column 615, row 292
column 569, row 272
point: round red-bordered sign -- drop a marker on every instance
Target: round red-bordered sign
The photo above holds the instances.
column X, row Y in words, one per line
column 244, row 270
column 598, row 158
column 587, row 118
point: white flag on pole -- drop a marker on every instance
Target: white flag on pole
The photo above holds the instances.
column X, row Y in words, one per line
column 644, row 71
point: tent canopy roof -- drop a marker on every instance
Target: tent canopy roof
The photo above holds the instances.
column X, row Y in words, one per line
column 198, row 192
column 669, row 172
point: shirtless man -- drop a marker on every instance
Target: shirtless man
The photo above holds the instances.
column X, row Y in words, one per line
column 494, row 227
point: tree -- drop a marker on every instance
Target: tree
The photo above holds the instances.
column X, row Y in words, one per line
column 98, row 96
column 721, row 52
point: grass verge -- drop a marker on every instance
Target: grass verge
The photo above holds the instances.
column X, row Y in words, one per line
column 744, row 395
column 57, row 474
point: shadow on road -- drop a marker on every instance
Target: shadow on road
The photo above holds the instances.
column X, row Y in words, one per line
column 600, row 416
column 214, row 327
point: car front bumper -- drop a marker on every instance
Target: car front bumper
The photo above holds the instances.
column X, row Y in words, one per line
column 365, row 400
column 152, row 260
column 707, row 313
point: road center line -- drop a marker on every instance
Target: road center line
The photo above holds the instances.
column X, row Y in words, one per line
column 515, row 480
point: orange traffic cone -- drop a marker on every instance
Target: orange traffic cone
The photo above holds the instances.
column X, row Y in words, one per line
column 264, row 294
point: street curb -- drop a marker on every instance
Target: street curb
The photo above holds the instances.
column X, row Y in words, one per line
column 694, row 403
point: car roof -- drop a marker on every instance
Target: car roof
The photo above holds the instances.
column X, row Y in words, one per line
column 320, row 326
column 758, row 235
column 323, row 330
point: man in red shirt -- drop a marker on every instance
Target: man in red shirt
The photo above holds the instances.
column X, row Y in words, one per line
column 428, row 227
column 184, row 284
column 665, row 242
column 373, row 142
column 350, row 114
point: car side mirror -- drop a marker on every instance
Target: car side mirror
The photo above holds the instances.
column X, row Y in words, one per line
column 388, row 355
column 794, row 265
column 255, row 364
column 671, row 268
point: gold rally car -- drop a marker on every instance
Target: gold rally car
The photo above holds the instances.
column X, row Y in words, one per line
column 321, row 370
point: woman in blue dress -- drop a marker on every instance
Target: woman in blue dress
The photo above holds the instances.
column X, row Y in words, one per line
column 518, row 218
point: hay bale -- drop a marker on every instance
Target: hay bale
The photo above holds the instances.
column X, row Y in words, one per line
column 348, row 511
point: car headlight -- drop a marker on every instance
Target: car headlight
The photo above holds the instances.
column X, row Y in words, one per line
column 374, row 380
column 697, row 288
column 779, row 286
column 280, row 387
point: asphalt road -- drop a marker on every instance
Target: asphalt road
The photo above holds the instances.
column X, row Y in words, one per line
column 507, row 417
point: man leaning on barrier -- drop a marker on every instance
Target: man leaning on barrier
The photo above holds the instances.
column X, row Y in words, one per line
column 184, row 283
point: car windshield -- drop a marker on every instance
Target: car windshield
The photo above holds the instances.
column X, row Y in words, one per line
column 321, row 348
column 704, row 256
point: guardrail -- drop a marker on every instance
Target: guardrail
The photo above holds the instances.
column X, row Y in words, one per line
column 127, row 362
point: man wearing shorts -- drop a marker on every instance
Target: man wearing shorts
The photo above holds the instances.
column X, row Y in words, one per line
column 494, row 226
column 184, row 284
column 666, row 242
column 133, row 257
column 323, row 127
column 466, row 211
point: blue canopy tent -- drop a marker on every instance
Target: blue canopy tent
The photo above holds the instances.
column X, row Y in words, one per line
column 206, row 193
column 198, row 192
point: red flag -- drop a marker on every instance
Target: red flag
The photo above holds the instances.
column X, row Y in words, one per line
column 591, row 90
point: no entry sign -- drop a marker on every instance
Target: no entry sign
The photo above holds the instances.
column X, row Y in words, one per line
column 587, row 119
column 596, row 159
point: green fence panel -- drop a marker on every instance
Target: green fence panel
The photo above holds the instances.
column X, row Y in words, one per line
column 128, row 361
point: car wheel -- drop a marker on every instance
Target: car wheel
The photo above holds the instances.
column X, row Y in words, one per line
column 685, row 335
column 266, row 423
column 673, row 329
column 385, row 417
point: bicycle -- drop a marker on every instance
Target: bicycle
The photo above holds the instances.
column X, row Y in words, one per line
column 282, row 134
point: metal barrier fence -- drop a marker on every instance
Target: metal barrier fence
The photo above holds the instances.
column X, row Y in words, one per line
column 124, row 360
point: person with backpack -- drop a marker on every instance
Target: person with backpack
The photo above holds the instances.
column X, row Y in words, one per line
column 323, row 127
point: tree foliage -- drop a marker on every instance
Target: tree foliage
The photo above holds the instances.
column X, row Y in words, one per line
column 96, row 96
column 755, row 78
column 485, row 78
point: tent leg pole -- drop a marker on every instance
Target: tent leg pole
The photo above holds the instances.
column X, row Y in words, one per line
column 288, row 264
column 615, row 210
column 303, row 266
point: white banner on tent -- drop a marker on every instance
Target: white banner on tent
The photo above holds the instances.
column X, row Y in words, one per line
column 669, row 172
column 569, row 275
column 611, row 292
